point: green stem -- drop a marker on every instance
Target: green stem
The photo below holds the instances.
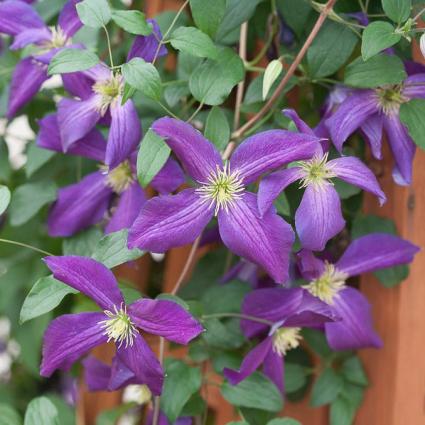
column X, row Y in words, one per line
column 196, row 112
column 24, row 245
column 167, row 110
column 238, row 316
column 109, row 46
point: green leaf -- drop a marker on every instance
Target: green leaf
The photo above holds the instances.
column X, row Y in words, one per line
column 212, row 81
column 412, row 116
column 46, row 294
column 283, row 421
column 375, row 72
column 181, row 382
column 94, row 13
column 28, row 199
column 175, row 91
column 41, row 411
column 342, row 412
column 224, row 336
column 256, row 392
column 144, row 77
column 82, row 243
column 326, row 387
column 296, row 14
column 208, row 14
column 193, row 41
column 9, row 416
column 272, row 72
column 36, row 158
column 353, row 371
column 112, row 250
column 128, row 93
column 317, row 342
column 376, row 37
column 217, row 128
column 325, row 56
column 132, row 21
column 230, row 295
column 72, row 60
column 153, row 154
column 295, row 377
column 397, row 10
column 345, row 190
column 4, row 198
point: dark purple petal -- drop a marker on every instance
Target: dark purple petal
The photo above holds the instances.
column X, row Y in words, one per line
column 319, row 216
column 77, row 84
column 76, row 118
column 96, row 374
column 250, row 363
column 354, row 171
column 124, row 134
column 129, row 205
column 68, row 338
column 89, row 277
column 91, row 146
column 414, row 86
column 121, row 375
column 79, row 206
column 269, row 150
column 169, row 221
column 355, row 330
column 372, row 130
column 351, row 114
column 68, row 19
column 265, row 241
column 375, row 251
column 310, row 266
column 145, row 47
column 169, row 178
column 273, row 369
column 165, row 318
column 299, row 123
column 31, row 36
column 402, row 147
column 198, row 155
column 272, row 185
column 17, row 16
column 98, row 73
column 27, row 79
column 140, row 359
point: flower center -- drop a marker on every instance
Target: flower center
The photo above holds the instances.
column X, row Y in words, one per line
column 390, row 99
column 285, row 339
column 119, row 327
column 109, row 91
column 328, row 284
column 317, row 171
column 222, row 188
column 120, row 178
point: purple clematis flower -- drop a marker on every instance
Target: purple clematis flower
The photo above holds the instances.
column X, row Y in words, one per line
column 319, row 216
column 86, row 203
column 327, row 283
column 375, row 111
column 72, row 335
column 169, row 221
column 21, row 21
column 288, row 310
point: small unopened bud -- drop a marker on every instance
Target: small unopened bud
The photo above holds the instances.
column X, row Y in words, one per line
column 422, row 44
column 273, row 70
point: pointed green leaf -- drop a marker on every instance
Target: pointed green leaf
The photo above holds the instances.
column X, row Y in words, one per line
column 132, row 21
column 376, row 37
column 72, row 60
column 193, row 41
column 94, row 13
column 217, row 129
column 4, row 198
column 208, row 14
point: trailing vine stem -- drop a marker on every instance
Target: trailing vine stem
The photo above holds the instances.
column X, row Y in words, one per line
column 238, row 316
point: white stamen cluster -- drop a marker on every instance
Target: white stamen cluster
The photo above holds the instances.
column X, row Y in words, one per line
column 326, row 286
column 317, row 171
column 109, row 90
column 285, row 339
column 120, row 178
column 390, row 98
column 57, row 40
column 119, row 327
column 222, row 188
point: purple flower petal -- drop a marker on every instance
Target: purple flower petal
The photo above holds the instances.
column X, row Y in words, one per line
column 299, row 123
column 250, row 363
column 145, row 47
column 414, row 86
column 169, row 178
column 31, row 36
column 91, row 146
column 265, row 241
column 402, row 147
column 319, row 216
column 355, row 330
column 199, row 156
column 130, row 203
column 96, row 374
column 372, row 130
column 376, row 251
column 310, row 266
column 351, row 114
column 140, row 359
column 269, row 150
column 165, row 318
column 79, row 206
column 353, row 171
column 68, row 338
column 77, row 84
column 68, row 18
column 169, row 221
column 272, row 185
column 121, row 376
column 76, row 118
column 125, row 132
column 27, row 79
column 17, row 16
column 89, row 277
column 273, row 369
